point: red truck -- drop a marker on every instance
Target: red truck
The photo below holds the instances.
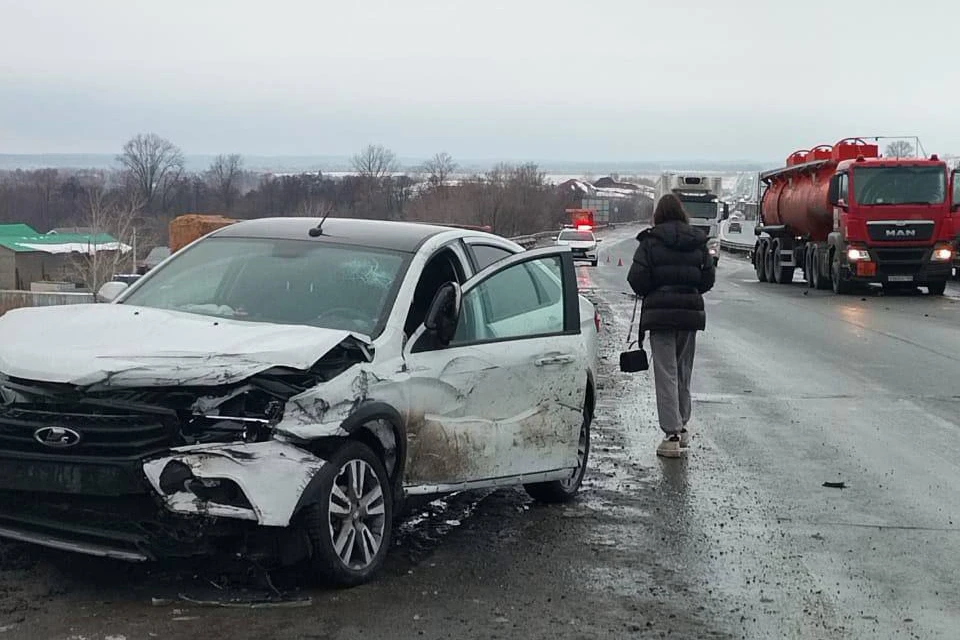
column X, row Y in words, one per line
column 847, row 216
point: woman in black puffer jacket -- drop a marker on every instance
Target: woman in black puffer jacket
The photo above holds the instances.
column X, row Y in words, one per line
column 671, row 269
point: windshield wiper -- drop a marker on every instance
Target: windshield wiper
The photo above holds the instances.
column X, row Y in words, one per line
column 896, row 204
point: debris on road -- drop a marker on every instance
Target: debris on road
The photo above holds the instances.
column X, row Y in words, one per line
column 251, row 603
column 835, row 485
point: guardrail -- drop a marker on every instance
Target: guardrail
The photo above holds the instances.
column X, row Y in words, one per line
column 736, row 236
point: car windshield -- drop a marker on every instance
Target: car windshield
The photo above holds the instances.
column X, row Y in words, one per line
column 278, row 281
column 899, row 185
column 701, row 209
column 576, row 236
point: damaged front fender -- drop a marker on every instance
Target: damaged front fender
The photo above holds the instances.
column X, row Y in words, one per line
column 329, row 408
column 260, row 481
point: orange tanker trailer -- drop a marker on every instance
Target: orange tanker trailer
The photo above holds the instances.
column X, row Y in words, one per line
column 845, row 215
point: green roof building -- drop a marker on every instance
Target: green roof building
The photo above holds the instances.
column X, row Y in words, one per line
column 27, row 255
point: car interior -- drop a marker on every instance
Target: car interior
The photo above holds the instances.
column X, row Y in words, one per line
column 442, row 268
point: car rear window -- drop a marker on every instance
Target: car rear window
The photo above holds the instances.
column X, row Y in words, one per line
column 576, row 236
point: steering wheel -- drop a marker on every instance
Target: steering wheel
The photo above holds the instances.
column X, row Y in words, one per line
column 355, row 316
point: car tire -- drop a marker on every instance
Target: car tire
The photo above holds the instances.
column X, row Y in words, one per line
column 593, row 263
column 937, row 288
column 559, row 491
column 350, row 529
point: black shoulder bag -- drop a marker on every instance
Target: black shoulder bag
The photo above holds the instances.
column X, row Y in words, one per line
column 636, row 360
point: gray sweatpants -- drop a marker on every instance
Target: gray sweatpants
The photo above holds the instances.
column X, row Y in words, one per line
column 672, row 354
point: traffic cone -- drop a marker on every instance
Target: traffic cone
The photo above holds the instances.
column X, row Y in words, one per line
column 619, row 262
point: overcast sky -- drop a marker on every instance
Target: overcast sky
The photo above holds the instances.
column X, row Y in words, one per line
column 518, row 79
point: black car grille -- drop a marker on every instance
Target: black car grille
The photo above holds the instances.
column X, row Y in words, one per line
column 102, row 434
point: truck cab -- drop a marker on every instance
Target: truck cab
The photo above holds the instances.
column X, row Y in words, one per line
column 955, row 218
column 892, row 218
column 700, row 196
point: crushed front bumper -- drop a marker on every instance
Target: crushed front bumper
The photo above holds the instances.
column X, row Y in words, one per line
column 131, row 528
column 262, row 482
column 192, row 501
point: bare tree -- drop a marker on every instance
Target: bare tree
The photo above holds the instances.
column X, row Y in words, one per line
column 154, row 164
column 899, row 149
column 113, row 223
column 313, row 207
column 374, row 161
column 224, row 177
column 438, row 169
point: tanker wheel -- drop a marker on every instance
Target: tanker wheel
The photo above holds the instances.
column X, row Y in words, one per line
column 781, row 274
column 760, row 261
column 813, row 271
column 840, row 286
column 821, row 281
column 768, row 262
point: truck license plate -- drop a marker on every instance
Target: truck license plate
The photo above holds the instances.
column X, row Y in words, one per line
column 900, row 279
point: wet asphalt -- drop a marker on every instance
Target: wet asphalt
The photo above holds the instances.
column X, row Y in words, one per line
column 793, row 388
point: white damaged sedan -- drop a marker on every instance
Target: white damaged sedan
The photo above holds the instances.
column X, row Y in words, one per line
column 281, row 386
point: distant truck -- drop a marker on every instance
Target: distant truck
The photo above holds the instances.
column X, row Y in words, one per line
column 700, row 196
column 847, row 216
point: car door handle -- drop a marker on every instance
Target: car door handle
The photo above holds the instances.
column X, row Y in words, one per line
column 560, row 359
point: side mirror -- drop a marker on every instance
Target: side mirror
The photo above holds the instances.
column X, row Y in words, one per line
column 444, row 313
column 955, row 183
column 109, row 291
column 726, row 211
column 833, row 193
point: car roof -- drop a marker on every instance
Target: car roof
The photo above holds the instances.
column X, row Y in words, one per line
column 379, row 234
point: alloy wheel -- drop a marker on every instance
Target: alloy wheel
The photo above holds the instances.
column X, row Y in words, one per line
column 357, row 515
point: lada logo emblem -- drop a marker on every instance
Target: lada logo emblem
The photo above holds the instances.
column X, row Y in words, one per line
column 56, row 437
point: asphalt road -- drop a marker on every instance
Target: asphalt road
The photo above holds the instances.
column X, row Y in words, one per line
column 741, row 540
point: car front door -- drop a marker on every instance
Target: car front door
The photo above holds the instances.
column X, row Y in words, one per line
column 505, row 397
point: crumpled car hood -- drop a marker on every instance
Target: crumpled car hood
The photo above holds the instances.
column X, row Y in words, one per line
column 115, row 345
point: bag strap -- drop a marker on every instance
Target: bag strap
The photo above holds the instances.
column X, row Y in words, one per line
column 633, row 318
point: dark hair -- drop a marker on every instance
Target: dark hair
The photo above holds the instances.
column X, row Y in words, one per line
column 670, row 209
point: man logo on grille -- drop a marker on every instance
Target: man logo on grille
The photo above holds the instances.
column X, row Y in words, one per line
column 57, row 437
column 901, row 233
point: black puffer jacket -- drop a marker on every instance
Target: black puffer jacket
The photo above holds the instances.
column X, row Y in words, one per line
column 671, row 269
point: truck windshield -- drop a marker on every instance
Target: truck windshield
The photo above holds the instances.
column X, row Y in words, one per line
column 899, row 185
column 278, row 281
column 701, row 209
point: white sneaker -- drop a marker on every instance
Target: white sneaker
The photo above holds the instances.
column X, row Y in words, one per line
column 685, row 438
column 670, row 447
